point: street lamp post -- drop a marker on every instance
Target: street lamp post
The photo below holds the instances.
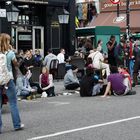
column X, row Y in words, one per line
column 63, row 20
column 12, row 14
column 128, row 19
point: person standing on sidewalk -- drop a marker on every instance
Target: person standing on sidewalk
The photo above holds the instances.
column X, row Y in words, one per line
column 10, row 90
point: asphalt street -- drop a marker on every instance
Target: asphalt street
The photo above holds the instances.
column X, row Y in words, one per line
column 72, row 117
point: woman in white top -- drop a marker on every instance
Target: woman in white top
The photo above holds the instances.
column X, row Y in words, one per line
column 98, row 62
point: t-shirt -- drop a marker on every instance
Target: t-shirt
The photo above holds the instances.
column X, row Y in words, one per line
column 116, row 80
column 10, row 57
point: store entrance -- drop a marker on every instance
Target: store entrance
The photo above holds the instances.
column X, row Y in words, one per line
column 30, row 39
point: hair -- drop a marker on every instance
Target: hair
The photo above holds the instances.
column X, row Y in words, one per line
column 114, row 69
column 23, row 68
column 73, row 67
column 99, row 41
column 89, row 71
column 47, row 70
column 4, row 42
column 49, row 51
column 112, row 36
column 121, row 66
column 125, row 68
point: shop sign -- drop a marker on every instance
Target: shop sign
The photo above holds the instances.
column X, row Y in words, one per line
column 25, row 37
column 115, row 1
column 107, row 5
column 84, row 1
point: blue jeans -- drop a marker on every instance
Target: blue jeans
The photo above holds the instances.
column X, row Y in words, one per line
column 11, row 94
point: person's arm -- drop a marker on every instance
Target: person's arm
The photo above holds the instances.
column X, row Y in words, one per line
column 73, row 79
column 108, row 88
column 24, row 87
column 50, row 82
column 110, row 47
column 40, row 81
column 45, row 60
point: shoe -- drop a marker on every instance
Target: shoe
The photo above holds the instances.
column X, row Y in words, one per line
column 20, row 128
column 29, row 97
column 131, row 92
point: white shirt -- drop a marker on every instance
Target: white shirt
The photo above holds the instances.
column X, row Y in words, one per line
column 61, row 58
column 97, row 57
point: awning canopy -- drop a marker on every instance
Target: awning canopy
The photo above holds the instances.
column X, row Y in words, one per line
column 98, row 30
column 110, row 19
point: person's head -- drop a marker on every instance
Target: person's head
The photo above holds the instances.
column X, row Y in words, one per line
column 89, row 71
column 100, row 42
column 21, row 52
column 45, row 70
column 120, row 68
column 114, row 69
column 23, row 69
column 112, row 38
column 5, row 42
column 74, row 68
column 76, row 53
column 28, row 54
column 49, row 51
column 37, row 52
column 62, row 51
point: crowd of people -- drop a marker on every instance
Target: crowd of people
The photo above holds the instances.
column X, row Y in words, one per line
column 104, row 74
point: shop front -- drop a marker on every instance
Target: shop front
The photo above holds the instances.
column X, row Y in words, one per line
column 112, row 16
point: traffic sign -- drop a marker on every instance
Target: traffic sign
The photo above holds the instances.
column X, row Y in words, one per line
column 115, row 1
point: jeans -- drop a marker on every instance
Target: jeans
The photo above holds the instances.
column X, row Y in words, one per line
column 11, row 94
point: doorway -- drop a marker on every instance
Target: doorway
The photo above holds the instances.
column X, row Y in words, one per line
column 38, row 39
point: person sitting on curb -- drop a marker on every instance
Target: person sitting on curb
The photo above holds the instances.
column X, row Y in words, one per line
column 118, row 83
column 46, row 83
column 90, row 84
column 26, row 91
column 71, row 81
column 124, row 71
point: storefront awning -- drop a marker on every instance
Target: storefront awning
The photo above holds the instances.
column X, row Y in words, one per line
column 110, row 19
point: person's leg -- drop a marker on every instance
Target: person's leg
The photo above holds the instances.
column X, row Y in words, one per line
column 96, row 89
column 50, row 91
column 135, row 73
column 108, row 88
column 72, row 86
column 126, row 82
column 0, row 109
column 11, row 94
column 105, row 66
column 131, row 66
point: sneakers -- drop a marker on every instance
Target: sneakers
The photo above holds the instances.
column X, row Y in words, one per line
column 20, row 128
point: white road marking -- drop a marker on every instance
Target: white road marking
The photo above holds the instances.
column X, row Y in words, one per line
column 83, row 128
column 57, row 103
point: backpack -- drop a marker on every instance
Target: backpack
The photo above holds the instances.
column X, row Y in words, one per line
column 4, row 73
